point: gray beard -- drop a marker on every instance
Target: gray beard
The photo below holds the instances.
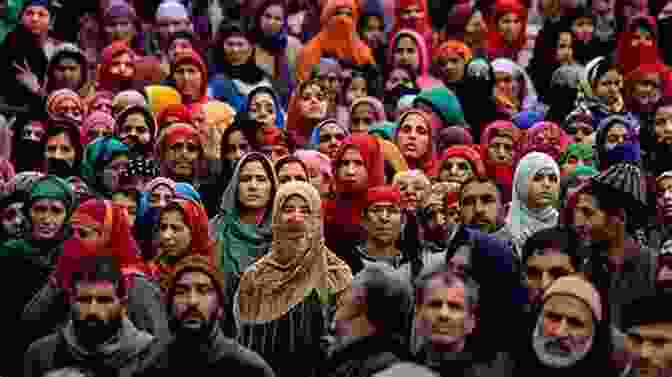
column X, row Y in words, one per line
column 549, row 352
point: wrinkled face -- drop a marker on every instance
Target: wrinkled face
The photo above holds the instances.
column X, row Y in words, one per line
column 128, row 202
column 237, row 50
column 456, row 169
column 135, row 131
column 60, row 147
column 179, row 46
column 406, row 54
column 383, row 222
column 413, row 137
column 543, row 189
column 36, row 19
column 609, row 86
column 272, row 19
column 475, row 30
column 567, row 316
column 97, row 310
column 510, row 26
column 123, row 66
column 591, row 222
column 292, row 172
column 47, row 217
column 651, row 344
column 398, row 77
column 102, row 104
column 70, row 109
column 664, row 197
column 236, row 146
column 564, row 52
column 254, row 188
column 358, row 89
column 443, row 314
column 331, row 138
column 33, row 132
column 507, row 86
column 479, row 203
column 452, row 68
column 68, row 74
column 113, row 170
column 195, row 302
column 174, row 233
column 120, row 29
column 617, row 135
column 160, row 196
column 182, row 155
column 363, row 116
column 413, row 190
column 313, row 103
column 500, row 150
column 189, row 81
column 647, row 90
column 545, row 267
column 352, row 170
column 262, row 110
column 169, row 26
column 13, row 220
column 583, row 29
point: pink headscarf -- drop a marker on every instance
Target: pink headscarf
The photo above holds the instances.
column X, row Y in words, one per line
column 547, row 137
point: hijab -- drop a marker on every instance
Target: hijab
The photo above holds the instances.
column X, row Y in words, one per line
column 527, row 96
column 548, row 138
column 97, row 155
column 428, row 163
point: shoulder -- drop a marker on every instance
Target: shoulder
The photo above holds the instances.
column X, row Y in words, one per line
column 44, row 346
column 248, row 362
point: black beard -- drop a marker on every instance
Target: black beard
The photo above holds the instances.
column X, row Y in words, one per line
column 192, row 336
column 60, row 168
column 92, row 336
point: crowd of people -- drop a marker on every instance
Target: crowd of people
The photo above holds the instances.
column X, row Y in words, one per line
column 336, row 188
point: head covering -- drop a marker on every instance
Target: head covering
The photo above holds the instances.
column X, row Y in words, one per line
column 52, row 187
column 427, row 163
column 172, row 9
column 629, row 55
column 580, row 152
column 547, row 137
column 192, row 57
column 453, row 135
column 421, row 25
column 376, row 105
column 444, row 103
column 603, row 151
column 64, row 51
column 371, row 152
column 196, row 219
column 524, row 120
column 580, row 288
column 59, row 96
column 125, row 99
column 170, row 134
column 277, row 105
column 500, row 128
column 497, row 46
column 388, row 193
column 161, row 97
column 315, row 160
column 97, row 155
column 528, row 98
column 105, row 79
column 149, row 121
column 315, row 137
column 159, row 181
column 95, row 121
column 195, row 263
column 187, row 191
column 453, row 48
column 424, row 80
column 272, row 287
column 470, row 154
column 521, row 220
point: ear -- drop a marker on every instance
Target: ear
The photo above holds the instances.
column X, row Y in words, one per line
column 470, row 323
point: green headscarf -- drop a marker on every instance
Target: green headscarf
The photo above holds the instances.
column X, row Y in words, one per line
column 97, row 155
column 52, row 187
column 384, row 129
column 582, row 152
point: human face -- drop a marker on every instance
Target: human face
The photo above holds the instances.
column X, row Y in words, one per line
column 183, row 153
column 456, row 169
column 237, row 50
column 583, row 131
column 444, row 313
column 47, row 217
column 292, row 172
column 647, row 90
column 475, row 30
column 567, row 316
column 452, row 68
column 413, row 137
column 60, row 147
column 564, row 51
column 126, row 201
column 102, row 104
column 160, row 196
column 236, row 147
column 189, row 81
column 583, row 29
column 651, row 344
column 664, row 197
column 113, row 171
column 543, row 189
column 254, row 188
column 510, row 26
column 272, row 19
column 120, row 29
column 397, row 77
column 123, row 66
column 500, row 150
column 179, row 46
column 383, row 222
column 590, row 221
column 406, row 54
column 34, row 132
column 174, row 233
column 313, row 103
column 507, row 86
column 13, row 220
column 169, row 26
column 195, row 302
column 352, row 169
column 544, row 268
column 641, row 37
column 608, row 87
column 479, row 203
column 331, row 138
column 331, row 82
column 617, row 135
column 363, row 116
column 36, row 19
column 262, row 110
column 295, row 210
column 69, row 109
column 413, row 190
column 98, row 311
column 411, row 13
column 68, row 74
column 135, row 130
column 357, row 89
column 373, row 32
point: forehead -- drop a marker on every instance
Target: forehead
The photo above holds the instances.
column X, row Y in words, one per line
column 191, row 278
column 95, row 288
column 414, row 120
column 291, row 167
column 236, row 39
column 253, row 167
column 406, row 41
column 262, row 98
column 549, row 259
column 664, row 111
column 456, row 160
column 352, row 154
column 61, row 138
column 332, row 129
column 67, row 61
column 655, row 329
column 479, row 188
column 363, row 107
column 295, row 200
column 49, row 203
column 568, row 305
column 189, row 66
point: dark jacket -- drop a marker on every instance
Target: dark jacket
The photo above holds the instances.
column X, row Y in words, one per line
column 363, row 357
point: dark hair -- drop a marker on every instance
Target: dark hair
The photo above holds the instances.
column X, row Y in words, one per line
column 55, row 128
column 288, row 160
column 95, row 268
column 447, row 276
column 560, row 238
column 268, row 168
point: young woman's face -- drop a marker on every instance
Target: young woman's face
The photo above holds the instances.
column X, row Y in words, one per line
column 407, row 54
column 363, row 116
column 564, row 52
column 510, row 26
column 609, row 86
column 475, row 30
column 272, row 19
column 236, row 147
column 413, row 137
column 357, row 89
column 331, row 138
column 237, row 50
column 313, row 103
column 507, row 85
column 262, row 109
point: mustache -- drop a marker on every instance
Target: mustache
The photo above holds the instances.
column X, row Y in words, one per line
column 194, row 313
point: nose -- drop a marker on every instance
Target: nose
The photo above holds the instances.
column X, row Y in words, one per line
column 453, row 170
column 444, row 312
column 667, row 128
column 647, row 350
column 546, row 280
column 297, row 217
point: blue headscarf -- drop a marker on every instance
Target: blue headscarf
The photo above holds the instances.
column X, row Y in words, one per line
column 187, row 191
column 315, row 137
column 279, row 112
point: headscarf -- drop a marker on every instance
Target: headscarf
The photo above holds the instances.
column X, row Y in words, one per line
column 547, row 137
column 146, row 149
column 453, row 48
column 279, row 111
column 315, row 137
column 629, row 56
column 192, row 57
column 127, row 98
column 63, row 51
column 602, row 150
column 296, row 123
column 500, row 172
column 105, row 79
column 521, row 220
column 159, row 181
column 161, row 97
column 528, row 95
column 422, row 25
column 169, row 136
column 59, row 96
column 270, row 289
column 187, row 191
column 424, row 80
column 427, row 163
column 52, row 187
column 178, row 111
column 639, row 74
column 469, row 153
column 316, row 161
column 242, row 243
column 376, row 105
column 565, row 83
column 97, row 120
column 580, row 152
column 97, row 155
column 497, row 46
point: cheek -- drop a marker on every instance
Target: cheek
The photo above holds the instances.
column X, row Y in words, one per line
column 550, row 328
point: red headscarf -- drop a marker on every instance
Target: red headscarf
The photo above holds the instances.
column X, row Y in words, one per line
column 427, row 163
column 178, row 111
column 106, row 80
column 629, row 56
column 469, row 153
column 501, row 173
column 192, row 57
column 497, row 46
column 421, row 25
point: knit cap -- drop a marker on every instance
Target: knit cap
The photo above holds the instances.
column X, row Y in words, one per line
column 579, row 288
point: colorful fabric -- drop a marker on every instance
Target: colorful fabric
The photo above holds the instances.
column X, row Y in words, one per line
column 427, row 163
column 470, row 154
column 424, row 79
column 315, row 136
column 390, row 194
column 57, row 97
column 161, row 97
column 547, row 137
column 125, row 99
column 454, row 48
column 98, row 120
column 580, row 152
column 498, row 47
column 444, row 103
column 97, row 155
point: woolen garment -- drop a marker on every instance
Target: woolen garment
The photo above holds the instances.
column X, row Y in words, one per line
column 97, row 155
column 365, row 356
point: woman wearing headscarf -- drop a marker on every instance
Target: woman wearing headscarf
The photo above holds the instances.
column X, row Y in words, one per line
column 564, row 90
column 29, row 146
column 285, row 301
column 413, row 15
column 264, row 107
column 98, row 124
column 337, row 39
column 364, row 112
column 616, row 138
column 644, row 89
column 328, row 136
column 66, row 104
column 373, row 27
column 180, row 151
column 536, row 187
column 99, row 226
column 307, row 108
column 548, row 138
column 74, row 59
column 189, row 75
column 136, row 127
column 414, row 137
column 638, row 44
column 126, row 98
column 576, row 156
column 319, row 169
column 104, row 160
column 117, row 69
column 477, row 95
column 101, row 100
column 465, row 22
column 514, row 91
column 500, row 148
column 507, row 33
column 449, row 62
column 407, row 40
column 63, row 150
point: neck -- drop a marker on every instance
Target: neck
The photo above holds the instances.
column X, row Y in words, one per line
column 447, row 348
column 377, row 248
column 616, row 247
column 249, row 216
